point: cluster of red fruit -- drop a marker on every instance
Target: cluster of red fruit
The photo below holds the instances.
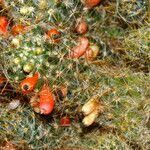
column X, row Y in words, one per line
column 44, row 100
column 54, row 35
column 46, row 103
column 83, row 47
column 4, row 24
column 45, row 96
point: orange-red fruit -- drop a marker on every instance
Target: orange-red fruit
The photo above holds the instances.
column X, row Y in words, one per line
column 2, row 80
column 18, row 29
column 3, row 30
column 3, row 83
column 28, row 84
column 65, row 121
column 81, row 27
column 8, row 146
column 3, row 24
column 79, row 50
column 91, row 3
column 3, row 21
column 54, row 35
column 46, row 100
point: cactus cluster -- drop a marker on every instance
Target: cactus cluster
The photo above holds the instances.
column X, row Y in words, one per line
column 80, row 50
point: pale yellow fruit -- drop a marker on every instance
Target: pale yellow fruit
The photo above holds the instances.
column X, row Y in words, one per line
column 92, row 52
column 26, row 10
column 17, row 60
column 90, row 119
column 95, row 49
column 90, row 106
column 28, row 68
column 15, row 42
column 38, row 51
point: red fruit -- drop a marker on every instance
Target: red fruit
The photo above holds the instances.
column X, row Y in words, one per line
column 79, row 50
column 91, row 3
column 28, row 84
column 46, row 100
column 54, row 35
column 82, row 27
column 18, row 29
column 3, row 21
column 84, row 42
column 3, row 24
column 8, row 146
column 3, row 30
column 65, row 121
column 3, row 83
column 2, row 80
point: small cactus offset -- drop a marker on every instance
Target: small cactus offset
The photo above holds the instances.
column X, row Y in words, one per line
column 133, row 11
column 68, row 78
column 137, row 45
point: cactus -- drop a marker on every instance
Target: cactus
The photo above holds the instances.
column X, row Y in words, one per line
column 42, row 36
